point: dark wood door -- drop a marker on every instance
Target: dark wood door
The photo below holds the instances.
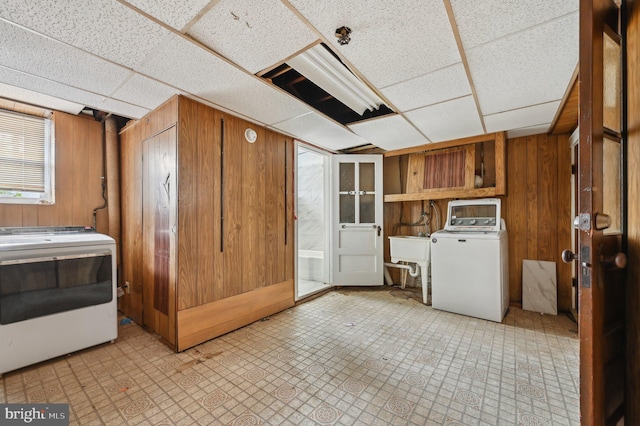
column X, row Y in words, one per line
column 601, row 276
column 159, row 209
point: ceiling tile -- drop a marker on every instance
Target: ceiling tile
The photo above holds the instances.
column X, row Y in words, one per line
column 194, row 70
column 438, row 86
column 105, row 28
column 523, row 117
column 144, row 91
column 390, row 132
column 32, row 53
column 174, row 13
column 483, row 21
column 255, row 34
column 39, row 99
column 317, row 130
column 448, row 120
column 528, row 68
column 528, row 131
column 391, row 40
column 52, row 88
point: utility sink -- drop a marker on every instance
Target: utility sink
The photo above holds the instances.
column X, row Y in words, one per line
column 410, row 248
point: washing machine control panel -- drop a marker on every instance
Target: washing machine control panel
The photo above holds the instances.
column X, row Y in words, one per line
column 474, row 215
column 465, row 221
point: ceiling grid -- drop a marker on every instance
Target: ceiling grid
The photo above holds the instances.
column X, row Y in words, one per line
column 447, row 69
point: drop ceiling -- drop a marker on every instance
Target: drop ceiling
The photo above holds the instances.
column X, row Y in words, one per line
column 447, row 68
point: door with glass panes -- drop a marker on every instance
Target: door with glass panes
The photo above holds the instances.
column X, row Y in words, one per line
column 357, row 245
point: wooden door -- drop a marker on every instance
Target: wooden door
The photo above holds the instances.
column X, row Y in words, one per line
column 356, row 225
column 159, row 230
column 601, row 277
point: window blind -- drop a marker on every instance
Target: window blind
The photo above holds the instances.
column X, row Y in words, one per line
column 22, row 152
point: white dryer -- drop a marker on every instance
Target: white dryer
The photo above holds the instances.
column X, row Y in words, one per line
column 469, row 261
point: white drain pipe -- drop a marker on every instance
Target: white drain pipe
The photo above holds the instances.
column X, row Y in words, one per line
column 413, row 271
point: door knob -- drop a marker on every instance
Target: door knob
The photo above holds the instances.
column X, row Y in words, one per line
column 568, row 256
column 618, row 260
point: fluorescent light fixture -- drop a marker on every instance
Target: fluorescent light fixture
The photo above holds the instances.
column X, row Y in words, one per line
column 325, row 70
column 34, row 98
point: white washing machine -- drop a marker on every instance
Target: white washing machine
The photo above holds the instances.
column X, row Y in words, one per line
column 469, row 261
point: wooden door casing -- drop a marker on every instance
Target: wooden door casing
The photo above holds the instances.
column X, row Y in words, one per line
column 632, row 323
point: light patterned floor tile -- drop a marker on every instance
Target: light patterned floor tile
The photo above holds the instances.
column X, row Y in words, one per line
column 356, row 357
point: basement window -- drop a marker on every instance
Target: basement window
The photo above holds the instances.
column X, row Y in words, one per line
column 26, row 159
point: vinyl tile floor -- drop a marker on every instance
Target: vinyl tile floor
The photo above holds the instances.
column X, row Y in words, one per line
column 349, row 357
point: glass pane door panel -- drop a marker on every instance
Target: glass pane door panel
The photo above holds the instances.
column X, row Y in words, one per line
column 347, row 177
column 367, row 177
column 612, row 185
column 612, row 93
column 367, row 208
column 347, row 208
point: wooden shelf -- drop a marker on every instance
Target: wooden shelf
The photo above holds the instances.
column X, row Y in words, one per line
column 441, row 194
column 418, row 182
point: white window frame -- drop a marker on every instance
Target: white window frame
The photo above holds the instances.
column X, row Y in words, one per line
column 47, row 196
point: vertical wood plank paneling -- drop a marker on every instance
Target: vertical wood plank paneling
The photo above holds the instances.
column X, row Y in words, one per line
column 64, row 163
column 250, row 217
column 30, row 215
column 500, row 162
column 10, row 215
column 547, row 188
column 208, row 148
column 517, row 215
column 274, row 203
column 531, row 165
column 218, row 162
column 189, row 190
column 148, row 166
column 234, row 261
column 632, row 414
column 258, row 189
column 81, row 164
column 131, row 192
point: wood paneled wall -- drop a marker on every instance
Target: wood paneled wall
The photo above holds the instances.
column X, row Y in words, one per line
column 632, row 414
column 536, row 209
column 234, row 256
column 78, row 183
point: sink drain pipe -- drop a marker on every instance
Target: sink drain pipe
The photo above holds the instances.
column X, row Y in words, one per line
column 414, row 271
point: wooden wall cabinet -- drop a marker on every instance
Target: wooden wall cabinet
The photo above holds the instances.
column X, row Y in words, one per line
column 449, row 169
column 207, row 222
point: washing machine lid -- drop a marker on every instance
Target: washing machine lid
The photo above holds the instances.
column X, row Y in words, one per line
column 482, row 215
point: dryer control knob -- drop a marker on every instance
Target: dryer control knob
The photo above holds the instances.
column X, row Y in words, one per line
column 472, row 221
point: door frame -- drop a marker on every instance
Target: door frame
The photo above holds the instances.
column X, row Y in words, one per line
column 327, row 212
